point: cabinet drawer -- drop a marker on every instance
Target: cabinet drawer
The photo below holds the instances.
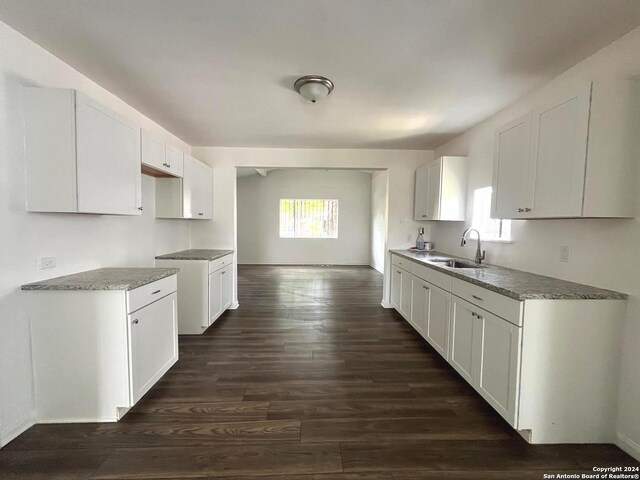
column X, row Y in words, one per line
column 219, row 263
column 505, row 307
column 430, row 275
column 401, row 262
column 141, row 296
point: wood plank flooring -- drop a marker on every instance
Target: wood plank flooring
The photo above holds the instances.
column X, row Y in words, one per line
column 310, row 379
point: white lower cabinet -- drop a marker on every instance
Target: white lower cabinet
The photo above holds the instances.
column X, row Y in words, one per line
column 462, row 333
column 215, row 296
column 430, row 314
column 438, row 323
column 152, row 333
column 401, row 291
column 97, row 352
column 220, row 292
column 227, row 286
column 485, row 351
column 205, row 291
column 420, row 305
column 545, row 365
column 498, row 364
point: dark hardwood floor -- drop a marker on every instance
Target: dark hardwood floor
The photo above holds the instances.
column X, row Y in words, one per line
column 310, row 379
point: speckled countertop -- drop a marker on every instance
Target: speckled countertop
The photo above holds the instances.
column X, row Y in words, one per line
column 195, row 254
column 104, row 279
column 513, row 283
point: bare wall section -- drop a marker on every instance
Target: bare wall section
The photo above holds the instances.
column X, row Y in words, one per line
column 259, row 197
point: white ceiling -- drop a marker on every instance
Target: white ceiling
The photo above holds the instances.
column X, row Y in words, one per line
column 408, row 73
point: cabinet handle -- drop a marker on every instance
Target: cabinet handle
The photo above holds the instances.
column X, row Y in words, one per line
column 140, row 208
column 157, row 291
column 136, row 321
column 168, row 165
column 426, row 288
column 200, row 213
column 424, row 216
column 222, row 273
column 527, row 209
column 398, row 271
column 477, row 297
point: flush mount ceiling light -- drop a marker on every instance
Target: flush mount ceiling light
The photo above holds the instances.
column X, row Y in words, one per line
column 313, row 87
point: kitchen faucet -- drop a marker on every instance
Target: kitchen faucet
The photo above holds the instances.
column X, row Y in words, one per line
column 480, row 254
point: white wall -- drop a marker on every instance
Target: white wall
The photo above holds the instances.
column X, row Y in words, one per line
column 80, row 242
column 259, row 217
column 401, row 164
column 379, row 208
column 604, row 253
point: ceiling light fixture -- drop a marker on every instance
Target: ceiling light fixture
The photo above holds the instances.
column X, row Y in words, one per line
column 313, row 87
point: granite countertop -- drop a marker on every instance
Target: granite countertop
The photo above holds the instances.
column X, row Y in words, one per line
column 195, row 254
column 513, row 283
column 104, row 279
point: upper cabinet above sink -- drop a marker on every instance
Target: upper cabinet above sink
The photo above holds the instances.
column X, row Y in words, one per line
column 441, row 190
column 571, row 156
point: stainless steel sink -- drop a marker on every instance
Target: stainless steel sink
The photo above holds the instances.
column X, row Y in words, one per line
column 457, row 264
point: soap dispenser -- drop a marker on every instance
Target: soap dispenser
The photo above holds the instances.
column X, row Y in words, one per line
column 420, row 243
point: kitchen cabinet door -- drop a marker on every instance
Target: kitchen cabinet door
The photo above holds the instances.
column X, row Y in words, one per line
column 108, row 160
column 197, row 189
column 421, row 194
column 153, row 347
column 434, row 190
column 215, row 296
column 498, row 361
column 227, row 286
column 153, row 152
column 512, row 147
column 406, row 292
column 174, row 160
column 437, row 327
column 420, row 305
column 396, row 286
column 560, row 130
column 463, row 320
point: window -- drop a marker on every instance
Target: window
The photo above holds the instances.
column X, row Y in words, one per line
column 489, row 228
column 308, row 218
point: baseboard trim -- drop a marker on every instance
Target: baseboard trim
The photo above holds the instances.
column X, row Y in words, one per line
column 386, row 304
column 9, row 435
column 629, row 446
column 234, row 306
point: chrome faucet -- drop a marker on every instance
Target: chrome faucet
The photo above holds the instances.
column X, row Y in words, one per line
column 480, row 254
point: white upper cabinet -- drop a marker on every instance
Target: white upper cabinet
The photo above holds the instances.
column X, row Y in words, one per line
column 80, row 156
column 188, row 197
column 511, row 161
column 421, row 192
column 160, row 158
column 441, row 190
column 198, row 189
column 569, row 157
column 174, row 160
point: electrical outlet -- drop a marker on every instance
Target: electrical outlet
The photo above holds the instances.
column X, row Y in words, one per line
column 409, row 237
column 46, row 263
column 564, row 254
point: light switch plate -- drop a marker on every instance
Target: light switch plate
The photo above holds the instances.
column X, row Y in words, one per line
column 45, row 263
column 564, row 254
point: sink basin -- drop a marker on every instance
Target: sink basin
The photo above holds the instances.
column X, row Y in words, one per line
column 457, row 264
